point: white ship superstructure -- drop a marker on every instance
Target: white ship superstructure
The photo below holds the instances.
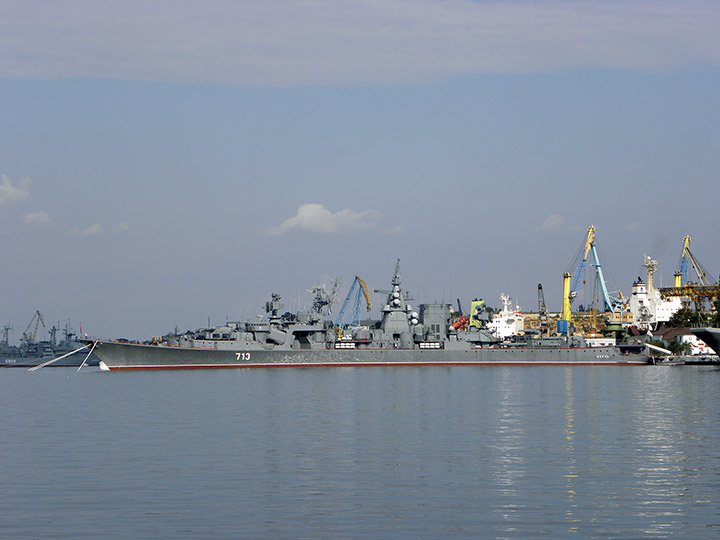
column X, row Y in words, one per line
column 508, row 322
column 647, row 305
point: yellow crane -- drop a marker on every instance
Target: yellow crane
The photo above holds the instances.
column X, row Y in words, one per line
column 614, row 303
column 698, row 292
column 570, row 291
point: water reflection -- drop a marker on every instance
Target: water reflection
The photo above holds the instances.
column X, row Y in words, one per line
column 632, row 449
column 507, row 446
column 507, row 452
column 571, row 473
column 668, row 428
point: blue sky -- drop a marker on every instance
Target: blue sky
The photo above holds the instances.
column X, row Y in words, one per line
column 168, row 162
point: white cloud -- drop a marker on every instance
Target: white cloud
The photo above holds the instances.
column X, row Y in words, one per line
column 286, row 42
column 10, row 194
column 551, row 223
column 39, row 218
column 316, row 218
column 122, row 227
column 92, row 230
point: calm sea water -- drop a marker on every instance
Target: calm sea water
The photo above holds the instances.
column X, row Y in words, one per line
column 427, row 452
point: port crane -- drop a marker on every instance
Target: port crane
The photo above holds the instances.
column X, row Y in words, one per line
column 358, row 289
column 614, row 304
column 705, row 288
column 31, row 336
column 593, row 326
column 542, row 310
column 687, row 259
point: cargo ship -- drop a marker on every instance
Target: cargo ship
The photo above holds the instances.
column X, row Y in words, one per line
column 402, row 337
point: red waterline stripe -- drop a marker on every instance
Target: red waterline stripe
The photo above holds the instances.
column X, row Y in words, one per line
column 376, row 364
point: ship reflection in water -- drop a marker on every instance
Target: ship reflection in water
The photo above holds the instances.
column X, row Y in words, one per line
column 386, row 452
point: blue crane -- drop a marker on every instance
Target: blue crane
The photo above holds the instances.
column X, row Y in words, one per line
column 687, row 260
column 612, row 303
column 359, row 288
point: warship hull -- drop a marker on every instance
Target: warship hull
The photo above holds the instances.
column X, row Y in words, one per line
column 73, row 359
column 402, row 337
column 128, row 356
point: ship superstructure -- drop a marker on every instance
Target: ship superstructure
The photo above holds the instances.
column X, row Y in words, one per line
column 508, row 322
column 402, row 336
column 646, row 304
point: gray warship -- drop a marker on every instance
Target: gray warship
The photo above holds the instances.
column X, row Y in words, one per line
column 64, row 352
column 402, row 337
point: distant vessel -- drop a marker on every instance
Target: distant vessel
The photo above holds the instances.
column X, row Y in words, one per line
column 33, row 352
column 402, row 337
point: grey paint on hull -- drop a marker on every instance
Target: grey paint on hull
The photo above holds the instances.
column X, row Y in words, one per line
column 73, row 360
column 401, row 337
column 136, row 356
